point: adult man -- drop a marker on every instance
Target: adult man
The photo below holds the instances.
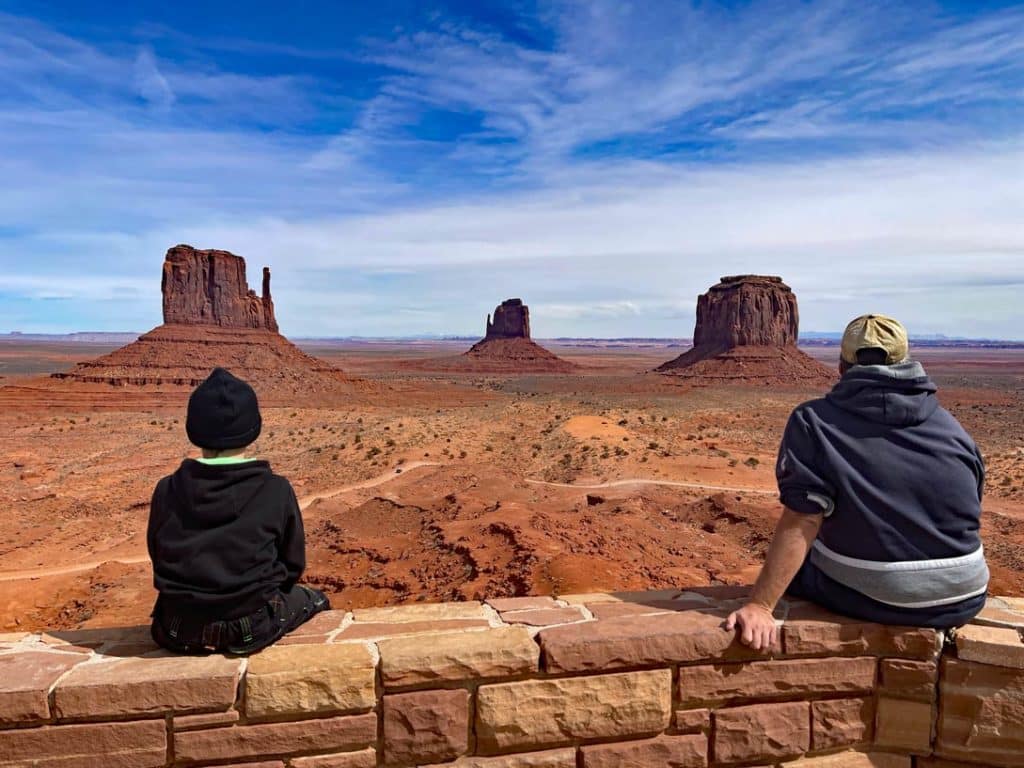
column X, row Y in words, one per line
column 882, row 493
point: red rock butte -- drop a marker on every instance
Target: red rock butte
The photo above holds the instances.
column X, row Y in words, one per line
column 212, row 318
column 746, row 333
column 507, row 346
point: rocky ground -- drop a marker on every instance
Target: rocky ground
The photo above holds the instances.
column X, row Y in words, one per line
column 449, row 486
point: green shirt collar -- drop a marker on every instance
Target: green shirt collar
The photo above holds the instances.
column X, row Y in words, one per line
column 222, row 460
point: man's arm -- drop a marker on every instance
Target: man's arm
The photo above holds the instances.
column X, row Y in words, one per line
column 794, row 535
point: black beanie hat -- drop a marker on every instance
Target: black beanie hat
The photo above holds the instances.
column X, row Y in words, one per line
column 223, row 413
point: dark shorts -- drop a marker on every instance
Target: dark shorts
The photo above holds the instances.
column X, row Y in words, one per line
column 811, row 584
column 283, row 612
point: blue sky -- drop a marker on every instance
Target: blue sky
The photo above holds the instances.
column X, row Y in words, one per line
column 404, row 166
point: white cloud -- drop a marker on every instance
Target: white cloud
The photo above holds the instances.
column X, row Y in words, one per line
column 151, row 84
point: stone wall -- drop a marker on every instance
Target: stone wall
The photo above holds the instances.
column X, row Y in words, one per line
column 586, row 681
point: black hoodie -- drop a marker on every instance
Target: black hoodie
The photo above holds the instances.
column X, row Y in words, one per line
column 896, row 475
column 224, row 538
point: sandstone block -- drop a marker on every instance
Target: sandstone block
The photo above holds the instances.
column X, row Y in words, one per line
column 814, row 631
column 611, row 610
column 364, row 758
column 423, row 612
column 981, row 713
column 493, row 653
column 641, row 641
column 543, row 617
column 763, row 731
column 375, row 630
column 206, row 720
column 304, row 679
column 903, row 679
column 543, row 713
column 25, row 682
column 904, row 725
column 641, row 598
column 721, row 683
column 854, row 759
column 277, row 739
column 425, row 726
column 841, row 723
column 147, row 686
column 1000, row 646
column 552, row 758
column 112, row 745
column 1005, row 612
column 521, row 603
column 668, row 751
column 323, row 623
column 693, row 721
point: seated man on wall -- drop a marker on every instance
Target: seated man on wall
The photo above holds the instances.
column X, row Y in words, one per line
column 225, row 535
column 882, row 493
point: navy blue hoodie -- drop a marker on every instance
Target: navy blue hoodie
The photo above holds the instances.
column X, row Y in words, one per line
column 899, row 482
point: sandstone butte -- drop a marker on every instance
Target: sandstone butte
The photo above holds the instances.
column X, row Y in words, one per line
column 505, row 348
column 746, row 333
column 534, row 682
column 212, row 318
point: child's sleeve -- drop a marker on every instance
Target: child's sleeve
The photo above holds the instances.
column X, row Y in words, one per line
column 293, row 541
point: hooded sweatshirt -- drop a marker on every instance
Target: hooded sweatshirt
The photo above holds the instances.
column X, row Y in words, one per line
column 899, row 483
column 224, row 538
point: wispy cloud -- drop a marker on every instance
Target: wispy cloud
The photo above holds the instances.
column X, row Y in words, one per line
column 607, row 161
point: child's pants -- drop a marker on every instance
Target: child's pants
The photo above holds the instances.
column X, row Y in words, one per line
column 283, row 613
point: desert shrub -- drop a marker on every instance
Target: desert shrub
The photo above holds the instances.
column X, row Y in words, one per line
column 390, row 443
column 653, row 445
column 375, row 451
column 752, row 462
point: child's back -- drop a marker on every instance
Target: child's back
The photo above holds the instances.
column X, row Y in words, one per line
column 225, row 535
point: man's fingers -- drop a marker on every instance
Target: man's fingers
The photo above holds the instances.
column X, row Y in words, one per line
column 730, row 623
column 748, row 635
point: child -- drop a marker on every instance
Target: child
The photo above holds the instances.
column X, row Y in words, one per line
column 225, row 535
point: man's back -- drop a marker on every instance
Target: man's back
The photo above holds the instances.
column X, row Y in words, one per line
column 899, row 482
column 904, row 476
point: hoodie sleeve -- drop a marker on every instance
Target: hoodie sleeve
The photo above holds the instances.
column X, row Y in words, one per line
column 292, row 548
column 155, row 514
column 802, row 485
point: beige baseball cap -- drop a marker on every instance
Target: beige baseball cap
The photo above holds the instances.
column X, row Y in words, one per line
column 876, row 331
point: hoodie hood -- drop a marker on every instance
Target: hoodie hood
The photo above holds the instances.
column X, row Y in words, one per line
column 898, row 395
column 216, row 494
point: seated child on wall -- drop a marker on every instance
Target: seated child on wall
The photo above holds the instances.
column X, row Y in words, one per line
column 225, row 535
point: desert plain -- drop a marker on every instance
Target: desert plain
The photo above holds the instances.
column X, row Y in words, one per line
column 435, row 485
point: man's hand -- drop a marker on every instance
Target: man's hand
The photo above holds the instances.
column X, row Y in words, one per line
column 757, row 626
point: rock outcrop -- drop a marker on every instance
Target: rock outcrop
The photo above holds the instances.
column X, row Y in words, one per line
column 747, row 330
column 209, row 288
column 212, row 318
column 505, row 348
column 511, row 321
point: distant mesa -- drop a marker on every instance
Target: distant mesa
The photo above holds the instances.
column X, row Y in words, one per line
column 746, row 333
column 505, row 348
column 212, row 318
